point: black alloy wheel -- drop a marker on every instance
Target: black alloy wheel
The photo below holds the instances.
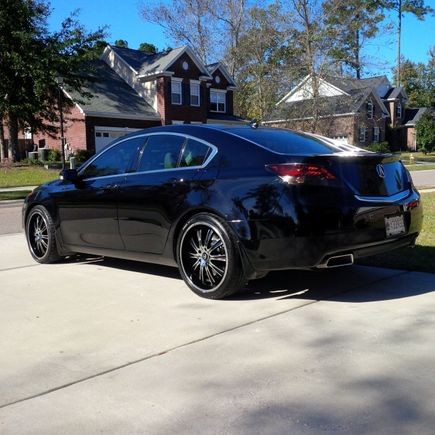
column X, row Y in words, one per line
column 208, row 257
column 40, row 234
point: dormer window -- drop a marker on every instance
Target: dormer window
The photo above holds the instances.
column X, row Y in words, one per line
column 370, row 109
column 176, row 91
column 217, row 101
column 399, row 110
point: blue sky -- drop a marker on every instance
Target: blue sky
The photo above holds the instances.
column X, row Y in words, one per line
column 124, row 22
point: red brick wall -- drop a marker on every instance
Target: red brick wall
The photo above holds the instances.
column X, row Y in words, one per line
column 185, row 111
column 74, row 131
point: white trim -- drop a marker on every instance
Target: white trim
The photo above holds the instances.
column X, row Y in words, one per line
column 337, row 115
column 153, row 75
column 76, row 104
column 123, row 116
column 102, row 128
column 109, row 48
column 304, row 80
column 117, row 142
column 224, row 71
column 193, row 56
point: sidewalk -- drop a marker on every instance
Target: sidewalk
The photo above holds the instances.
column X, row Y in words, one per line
column 17, row 189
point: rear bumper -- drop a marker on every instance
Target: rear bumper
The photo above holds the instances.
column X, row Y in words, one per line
column 307, row 238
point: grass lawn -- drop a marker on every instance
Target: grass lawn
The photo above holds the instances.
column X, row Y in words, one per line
column 418, row 157
column 420, row 167
column 19, row 194
column 422, row 257
column 26, row 176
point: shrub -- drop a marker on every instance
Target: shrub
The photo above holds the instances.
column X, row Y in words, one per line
column 54, row 155
column 379, row 147
column 82, row 155
column 425, row 131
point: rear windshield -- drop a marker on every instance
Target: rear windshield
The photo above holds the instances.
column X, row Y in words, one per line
column 284, row 141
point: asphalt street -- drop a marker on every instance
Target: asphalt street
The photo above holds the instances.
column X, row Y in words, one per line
column 105, row 346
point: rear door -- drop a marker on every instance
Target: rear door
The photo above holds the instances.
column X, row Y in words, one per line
column 165, row 182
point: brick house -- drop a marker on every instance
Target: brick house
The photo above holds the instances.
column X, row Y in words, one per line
column 133, row 90
column 356, row 111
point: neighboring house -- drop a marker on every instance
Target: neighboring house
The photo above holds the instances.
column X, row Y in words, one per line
column 357, row 111
column 133, row 90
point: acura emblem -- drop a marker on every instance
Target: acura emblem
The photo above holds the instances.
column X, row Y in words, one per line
column 380, row 170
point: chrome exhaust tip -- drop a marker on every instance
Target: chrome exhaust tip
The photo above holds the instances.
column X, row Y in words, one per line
column 337, row 261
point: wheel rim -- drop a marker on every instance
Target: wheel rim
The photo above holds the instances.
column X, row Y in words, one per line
column 38, row 235
column 204, row 257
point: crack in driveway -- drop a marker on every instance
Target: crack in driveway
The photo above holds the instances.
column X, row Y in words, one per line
column 192, row 342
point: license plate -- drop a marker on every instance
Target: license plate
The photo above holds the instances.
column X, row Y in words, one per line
column 395, row 225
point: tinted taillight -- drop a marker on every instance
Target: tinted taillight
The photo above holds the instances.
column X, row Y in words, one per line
column 299, row 173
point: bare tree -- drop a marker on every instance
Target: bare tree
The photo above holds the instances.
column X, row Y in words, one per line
column 232, row 15
column 185, row 22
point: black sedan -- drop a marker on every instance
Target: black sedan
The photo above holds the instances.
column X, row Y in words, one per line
column 226, row 204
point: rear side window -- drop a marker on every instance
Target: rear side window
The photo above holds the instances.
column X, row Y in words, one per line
column 195, row 154
column 161, row 152
column 116, row 160
column 283, row 141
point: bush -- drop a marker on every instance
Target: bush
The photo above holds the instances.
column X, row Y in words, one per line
column 54, row 155
column 379, row 147
column 81, row 155
column 425, row 131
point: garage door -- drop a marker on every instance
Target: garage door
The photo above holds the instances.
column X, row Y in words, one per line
column 104, row 136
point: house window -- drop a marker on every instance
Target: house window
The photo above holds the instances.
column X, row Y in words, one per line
column 399, row 110
column 376, row 134
column 370, row 109
column 217, row 101
column 362, row 134
column 194, row 93
column 176, row 89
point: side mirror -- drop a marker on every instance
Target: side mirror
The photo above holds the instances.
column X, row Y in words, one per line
column 69, row 175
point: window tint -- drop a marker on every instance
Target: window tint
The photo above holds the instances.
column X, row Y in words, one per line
column 283, row 141
column 195, row 153
column 161, row 152
column 115, row 160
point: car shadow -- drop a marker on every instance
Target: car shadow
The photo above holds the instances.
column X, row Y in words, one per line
column 347, row 284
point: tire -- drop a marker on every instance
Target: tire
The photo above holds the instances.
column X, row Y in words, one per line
column 208, row 257
column 41, row 236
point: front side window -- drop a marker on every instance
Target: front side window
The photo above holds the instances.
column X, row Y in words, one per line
column 176, row 86
column 194, row 94
column 194, row 154
column 217, row 101
column 114, row 161
column 161, row 151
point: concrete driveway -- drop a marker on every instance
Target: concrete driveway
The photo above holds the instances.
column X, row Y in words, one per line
column 105, row 346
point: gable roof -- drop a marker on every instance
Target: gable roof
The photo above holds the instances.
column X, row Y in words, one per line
column 212, row 67
column 111, row 96
column 337, row 105
column 348, row 84
column 413, row 115
column 394, row 93
column 148, row 64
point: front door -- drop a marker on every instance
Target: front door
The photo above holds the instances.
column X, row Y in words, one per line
column 88, row 208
